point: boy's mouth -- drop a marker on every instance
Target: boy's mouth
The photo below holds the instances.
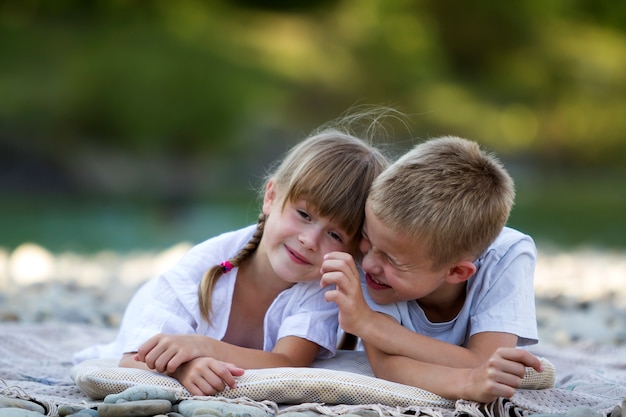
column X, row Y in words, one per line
column 375, row 284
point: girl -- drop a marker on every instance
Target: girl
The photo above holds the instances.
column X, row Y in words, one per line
column 251, row 298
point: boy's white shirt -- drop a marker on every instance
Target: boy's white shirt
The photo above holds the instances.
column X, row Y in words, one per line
column 500, row 296
column 168, row 303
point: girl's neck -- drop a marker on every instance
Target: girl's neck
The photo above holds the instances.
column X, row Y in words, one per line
column 256, row 271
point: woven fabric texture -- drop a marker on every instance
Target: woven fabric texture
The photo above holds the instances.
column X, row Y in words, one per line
column 335, row 383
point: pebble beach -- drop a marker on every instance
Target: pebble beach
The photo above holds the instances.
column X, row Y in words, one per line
column 580, row 294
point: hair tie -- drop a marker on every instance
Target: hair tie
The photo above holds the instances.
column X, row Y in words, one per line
column 226, row 266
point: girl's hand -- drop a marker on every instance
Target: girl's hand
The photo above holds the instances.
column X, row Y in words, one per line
column 500, row 375
column 166, row 352
column 207, row 376
column 340, row 269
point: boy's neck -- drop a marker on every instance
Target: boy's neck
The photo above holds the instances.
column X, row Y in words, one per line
column 444, row 308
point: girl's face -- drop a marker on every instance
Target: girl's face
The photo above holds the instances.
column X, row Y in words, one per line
column 296, row 238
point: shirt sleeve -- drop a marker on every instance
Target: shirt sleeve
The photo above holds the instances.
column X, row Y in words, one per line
column 152, row 310
column 305, row 314
column 155, row 309
column 506, row 301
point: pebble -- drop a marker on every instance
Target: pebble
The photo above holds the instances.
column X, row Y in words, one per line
column 141, row 392
column 195, row 408
column 86, row 412
column 18, row 412
column 66, row 410
column 8, row 402
column 139, row 408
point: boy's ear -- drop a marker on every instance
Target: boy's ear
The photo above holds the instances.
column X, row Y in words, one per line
column 461, row 272
column 269, row 196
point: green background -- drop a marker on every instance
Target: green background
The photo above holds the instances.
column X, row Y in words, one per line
column 139, row 124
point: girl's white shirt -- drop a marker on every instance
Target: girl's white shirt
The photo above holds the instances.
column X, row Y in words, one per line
column 168, row 304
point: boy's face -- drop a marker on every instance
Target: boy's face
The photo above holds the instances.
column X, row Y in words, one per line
column 396, row 267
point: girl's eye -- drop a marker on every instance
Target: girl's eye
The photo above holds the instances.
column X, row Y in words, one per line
column 335, row 236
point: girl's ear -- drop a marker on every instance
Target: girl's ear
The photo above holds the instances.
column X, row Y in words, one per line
column 460, row 272
column 269, row 196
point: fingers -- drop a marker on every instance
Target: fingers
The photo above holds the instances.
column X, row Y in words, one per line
column 340, row 269
column 208, row 376
column 520, row 356
column 504, row 371
column 164, row 353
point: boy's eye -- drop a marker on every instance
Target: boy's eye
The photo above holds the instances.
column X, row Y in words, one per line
column 304, row 214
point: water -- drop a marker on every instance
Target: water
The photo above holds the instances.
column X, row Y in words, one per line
column 92, row 225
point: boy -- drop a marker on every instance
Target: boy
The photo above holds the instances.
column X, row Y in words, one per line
column 449, row 288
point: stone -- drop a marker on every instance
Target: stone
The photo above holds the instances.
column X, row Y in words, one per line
column 616, row 411
column 140, row 408
column 18, row 412
column 85, row 412
column 194, row 408
column 66, row 409
column 206, row 412
column 9, row 402
column 142, row 392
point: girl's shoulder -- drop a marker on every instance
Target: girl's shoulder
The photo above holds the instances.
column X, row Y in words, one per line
column 215, row 249
column 228, row 243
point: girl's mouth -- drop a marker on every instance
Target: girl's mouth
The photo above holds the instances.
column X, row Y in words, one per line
column 374, row 284
column 296, row 257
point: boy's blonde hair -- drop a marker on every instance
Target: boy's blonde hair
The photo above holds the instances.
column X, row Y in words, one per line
column 333, row 171
column 447, row 194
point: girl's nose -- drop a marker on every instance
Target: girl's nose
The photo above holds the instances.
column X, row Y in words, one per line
column 309, row 239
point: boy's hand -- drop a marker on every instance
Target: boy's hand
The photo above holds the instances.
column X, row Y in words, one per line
column 207, row 376
column 166, row 352
column 500, row 375
column 340, row 269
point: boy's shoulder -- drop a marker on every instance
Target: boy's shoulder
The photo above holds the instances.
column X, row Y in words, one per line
column 510, row 242
column 511, row 235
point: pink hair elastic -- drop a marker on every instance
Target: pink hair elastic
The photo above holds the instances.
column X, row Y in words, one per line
column 226, row 266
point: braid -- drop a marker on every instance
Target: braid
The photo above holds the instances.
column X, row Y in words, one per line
column 205, row 289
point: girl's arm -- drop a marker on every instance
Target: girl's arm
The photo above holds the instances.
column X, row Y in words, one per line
column 201, row 376
column 165, row 353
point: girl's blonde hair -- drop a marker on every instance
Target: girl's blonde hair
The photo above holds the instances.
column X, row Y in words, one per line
column 333, row 170
column 447, row 194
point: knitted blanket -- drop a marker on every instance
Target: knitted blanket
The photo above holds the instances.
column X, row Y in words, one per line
column 35, row 363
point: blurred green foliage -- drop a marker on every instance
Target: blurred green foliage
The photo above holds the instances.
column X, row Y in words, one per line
column 190, row 75
column 190, row 97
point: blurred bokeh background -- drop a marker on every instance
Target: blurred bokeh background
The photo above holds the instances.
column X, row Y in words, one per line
column 130, row 125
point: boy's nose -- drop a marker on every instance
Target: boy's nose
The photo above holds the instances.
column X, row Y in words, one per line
column 368, row 262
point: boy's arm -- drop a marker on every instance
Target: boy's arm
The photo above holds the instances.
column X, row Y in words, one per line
column 498, row 376
column 388, row 336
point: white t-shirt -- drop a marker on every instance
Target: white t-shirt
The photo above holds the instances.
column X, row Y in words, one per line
column 168, row 303
column 500, row 297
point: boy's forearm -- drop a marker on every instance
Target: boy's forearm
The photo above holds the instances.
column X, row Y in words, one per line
column 441, row 380
column 385, row 334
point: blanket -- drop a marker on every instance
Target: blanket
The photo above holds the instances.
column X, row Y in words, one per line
column 35, row 364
